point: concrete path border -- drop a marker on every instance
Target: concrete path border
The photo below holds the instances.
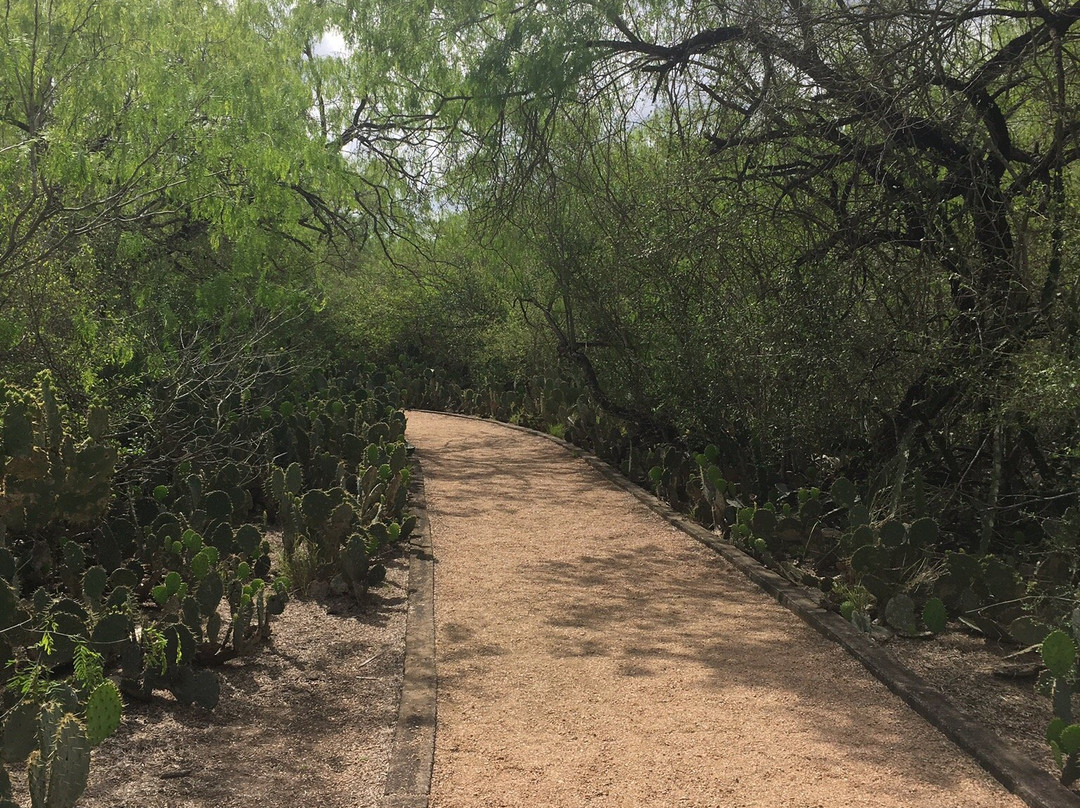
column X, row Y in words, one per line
column 1018, row 773
column 412, row 754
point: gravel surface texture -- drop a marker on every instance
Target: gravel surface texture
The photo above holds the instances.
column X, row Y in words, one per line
column 590, row 654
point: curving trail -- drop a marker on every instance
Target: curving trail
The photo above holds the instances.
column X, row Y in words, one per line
column 591, row 655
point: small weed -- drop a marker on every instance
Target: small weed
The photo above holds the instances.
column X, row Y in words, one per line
column 851, row 598
column 301, row 566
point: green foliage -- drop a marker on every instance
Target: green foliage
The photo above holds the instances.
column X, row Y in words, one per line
column 1058, row 651
column 103, row 711
column 59, row 768
column 1059, row 654
column 48, row 477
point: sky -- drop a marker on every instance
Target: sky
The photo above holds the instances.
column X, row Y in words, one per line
column 331, row 44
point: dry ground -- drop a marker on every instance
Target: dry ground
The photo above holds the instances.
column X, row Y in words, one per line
column 965, row 667
column 590, row 654
column 306, row 721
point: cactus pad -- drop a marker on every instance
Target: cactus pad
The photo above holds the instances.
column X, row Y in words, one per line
column 172, row 582
column 1069, row 740
column 1001, row 581
column 294, row 479
column 110, row 631
column 17, row 433
column 219, row 506
column 277, row 484
column 74, row 556
column 858, row 514
column 378, row 433
column 1028, row 631
column 199, row 687
column 1059, row 653
column 892, row 533
column 209, row 593
column 103, row 712
column 763, row 523
column 221, row 537
column 398, row 458
column 248, row 538
column 317, row 506
column 934, row 616
column 843, row 491
column 900, row 613
column 200, row 566
column 868, row 558
column 213, row 627
column 58, row 774
column 354, row 562
column 94, row 582
column 864, row 534
column 20, row 732
column 923, row 532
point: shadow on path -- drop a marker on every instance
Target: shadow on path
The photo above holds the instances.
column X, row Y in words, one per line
column 565, row 610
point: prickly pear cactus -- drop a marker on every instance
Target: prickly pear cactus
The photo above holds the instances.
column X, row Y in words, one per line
column 20, row 732
column 355, row 564
column 47, row 478
column 59, row 768
column 103, row 711
column 1059, row 654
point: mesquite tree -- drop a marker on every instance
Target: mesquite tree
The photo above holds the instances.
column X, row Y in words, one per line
column 914, row 159
column 936, row 134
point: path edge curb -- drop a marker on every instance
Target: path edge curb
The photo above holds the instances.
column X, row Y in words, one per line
column 412, row 751
column 1001, row 759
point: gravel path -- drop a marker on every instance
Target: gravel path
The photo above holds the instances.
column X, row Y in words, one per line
column 591, row 655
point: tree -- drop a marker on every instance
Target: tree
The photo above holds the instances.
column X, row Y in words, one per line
column 173, row 162
column 905, row 134
column 909, row 163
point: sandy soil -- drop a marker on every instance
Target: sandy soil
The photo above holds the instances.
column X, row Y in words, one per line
column 306, row 721
column 590, row 654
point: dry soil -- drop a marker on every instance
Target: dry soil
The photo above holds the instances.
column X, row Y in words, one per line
column 304, row 722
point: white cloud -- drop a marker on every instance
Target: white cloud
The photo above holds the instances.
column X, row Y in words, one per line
column 332, row 44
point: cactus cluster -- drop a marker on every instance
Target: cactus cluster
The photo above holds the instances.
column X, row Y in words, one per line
column 888, row 559
column 361, row 510
column 49, row 477
column 337, row 468
column 149, row 584
column 55, row 743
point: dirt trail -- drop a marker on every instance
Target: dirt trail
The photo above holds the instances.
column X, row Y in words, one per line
column 590, row 654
